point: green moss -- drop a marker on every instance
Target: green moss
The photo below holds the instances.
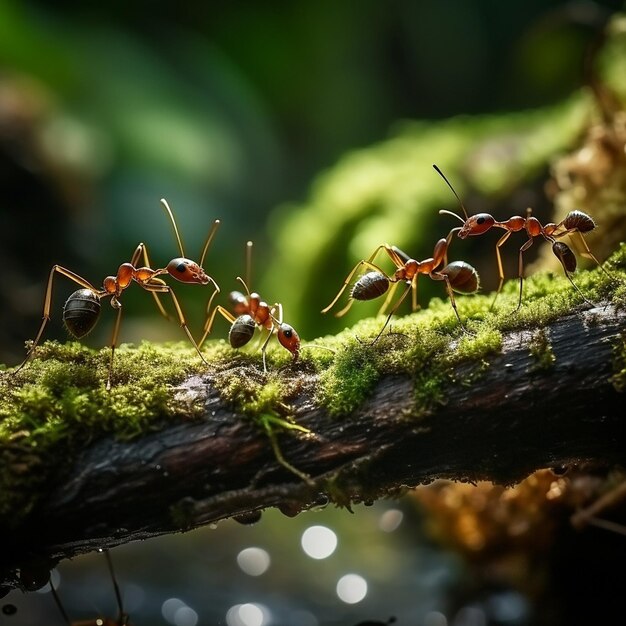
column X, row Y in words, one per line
column 618, row 380
column 59, row 402
column 429, row 346
column 540, row 349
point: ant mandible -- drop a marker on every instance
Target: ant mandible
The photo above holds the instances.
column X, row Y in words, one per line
column 250, row 312
column 458, row 276
column 82, row 309
column 574, row 224
column 122, row 617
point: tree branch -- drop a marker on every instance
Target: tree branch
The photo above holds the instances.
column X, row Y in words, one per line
column 519, row 413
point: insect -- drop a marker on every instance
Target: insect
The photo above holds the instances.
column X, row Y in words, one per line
column 122, row 618
column 575, row 224
column 82, row 309
column 458, row 276
column 250, row 313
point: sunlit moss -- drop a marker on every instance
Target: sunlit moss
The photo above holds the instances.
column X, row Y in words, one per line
column 619, row 364
column 59, row 402
column 429, row 345
column 540, row 349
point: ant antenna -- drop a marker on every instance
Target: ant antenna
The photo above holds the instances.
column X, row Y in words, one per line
column 169, row 212
column 245, row 286
column 455, row 193
column 249, row 262
column 209, row 239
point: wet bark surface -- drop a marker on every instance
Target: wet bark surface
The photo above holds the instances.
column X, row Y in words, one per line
column 516, row 416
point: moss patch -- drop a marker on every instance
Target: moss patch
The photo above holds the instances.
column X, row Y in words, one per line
column 58, row 403
column 429, row 345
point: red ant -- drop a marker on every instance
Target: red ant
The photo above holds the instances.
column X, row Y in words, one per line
column 575, row 224
column 122, row 617
column 82, row 308
column 252, row 312
column 458, row 276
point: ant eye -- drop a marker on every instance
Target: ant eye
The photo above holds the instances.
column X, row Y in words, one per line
column 181, row 267
column 288, row 334
column 480, row 220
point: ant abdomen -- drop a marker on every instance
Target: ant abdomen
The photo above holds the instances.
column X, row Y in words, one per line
column 577, row 220
column 241, row 331
column 565, row 255
column 370, row 286
column 462, row 276
column 81, row 312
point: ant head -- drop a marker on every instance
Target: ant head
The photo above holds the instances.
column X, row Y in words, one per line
column 187, row 271
column 241, row 331
column 239, row 302
column 289, row 339
column 477, row 225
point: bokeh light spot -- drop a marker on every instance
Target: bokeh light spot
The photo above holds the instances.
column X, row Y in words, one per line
column 185, row 616
column 318, row 542
column 390, row 520
column 249, row 614
column 351, row 588
column 253, row 561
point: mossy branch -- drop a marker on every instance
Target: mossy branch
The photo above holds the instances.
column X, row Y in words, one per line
column 173, row 446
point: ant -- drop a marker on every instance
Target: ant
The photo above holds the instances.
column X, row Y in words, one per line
column 82, row 308
column 250, row 312
column 574, row 224
column 458, row 276
column 122, row 617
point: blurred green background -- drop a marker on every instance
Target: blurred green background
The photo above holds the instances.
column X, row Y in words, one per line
column 309, row 128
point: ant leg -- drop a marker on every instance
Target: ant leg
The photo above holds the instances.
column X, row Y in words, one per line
column 59, row 604
column 581, row 244
column 181, row 318
column 448, row 242
column 388, row 299
column 264, row 348
column 141, row 251
column 414, row 304
column 114, row 338
column 444, row 277
column 568, row 262
column 393, row 310
column 48, row 304
column 208, row 325
column 499, row 244
column 122, row 616
column 520, row 269
column 367, row 263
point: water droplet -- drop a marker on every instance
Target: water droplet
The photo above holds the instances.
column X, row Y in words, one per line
column 248, row 518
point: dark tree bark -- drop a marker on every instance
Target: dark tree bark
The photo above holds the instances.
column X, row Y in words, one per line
column 515, row 417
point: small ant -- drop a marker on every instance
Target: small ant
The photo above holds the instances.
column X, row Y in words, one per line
column 250, row 312
column 122, row 617
column 458, row 276
column 82, row 308
column 574, row 224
